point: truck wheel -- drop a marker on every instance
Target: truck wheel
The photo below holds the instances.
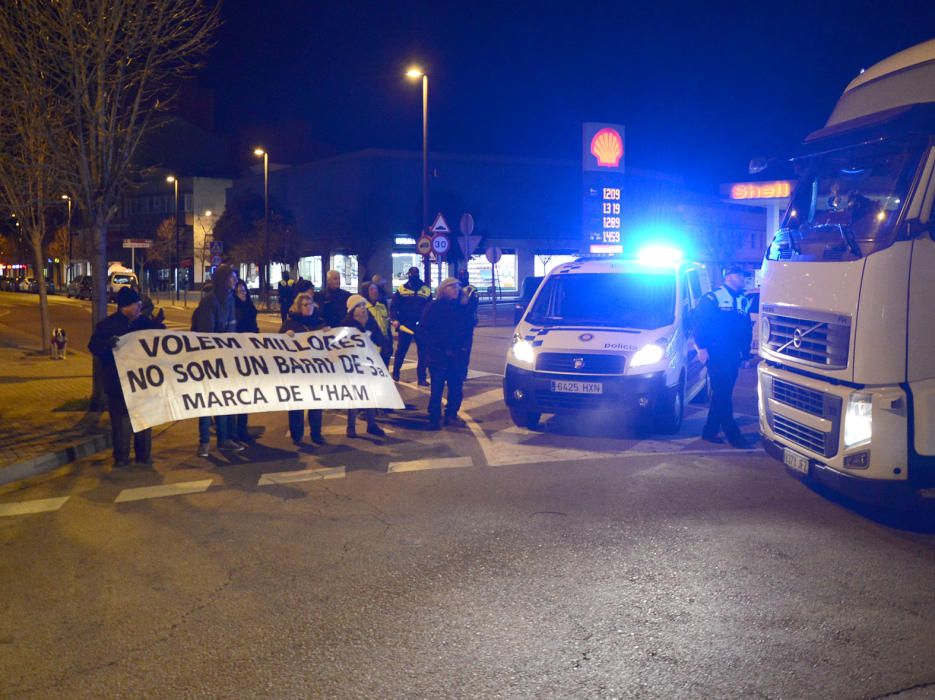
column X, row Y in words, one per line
column 670, row 409
column 525, row 419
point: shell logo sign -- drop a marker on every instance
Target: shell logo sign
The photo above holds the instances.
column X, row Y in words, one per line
column 607, row 147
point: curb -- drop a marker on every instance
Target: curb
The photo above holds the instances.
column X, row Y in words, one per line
column 54, row 460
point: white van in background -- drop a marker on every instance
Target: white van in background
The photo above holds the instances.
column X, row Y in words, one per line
column 610, row 334
column 119, row 277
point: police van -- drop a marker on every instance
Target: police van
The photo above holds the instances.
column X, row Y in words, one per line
column 610, row 334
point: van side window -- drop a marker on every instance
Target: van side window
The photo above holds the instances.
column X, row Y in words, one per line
column 695, row 285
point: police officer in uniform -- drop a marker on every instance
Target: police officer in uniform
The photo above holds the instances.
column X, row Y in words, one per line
column 409, row 302
column 723, row 332
column 469, row 299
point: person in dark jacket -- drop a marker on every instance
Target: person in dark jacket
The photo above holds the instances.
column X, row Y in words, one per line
column 445, row 333
column 304, row 318
column 332, row 299
column 409, row 301
column 216, row 314
column 359, row 317
column 286, row 291
column 723, row 332
column 245, row 313
column 126, row 319
column 470, row 299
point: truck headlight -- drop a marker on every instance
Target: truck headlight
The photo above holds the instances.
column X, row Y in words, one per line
column 647, row 355
column 766, row 331
column 522, row 351
column 858, row 421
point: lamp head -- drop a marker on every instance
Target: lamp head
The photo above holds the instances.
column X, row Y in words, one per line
column 414, row 73
column 170, row 179
column 259, row 152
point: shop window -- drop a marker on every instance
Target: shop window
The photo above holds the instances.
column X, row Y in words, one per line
column 310, row 269
column 401, row 264
column 544, row 264
column 347, row 266
column 505, row 272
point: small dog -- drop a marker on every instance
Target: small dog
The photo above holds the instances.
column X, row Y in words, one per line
column 59, row 343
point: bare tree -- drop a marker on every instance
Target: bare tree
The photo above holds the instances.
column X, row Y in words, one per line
column 30, row 138
column 109, row 66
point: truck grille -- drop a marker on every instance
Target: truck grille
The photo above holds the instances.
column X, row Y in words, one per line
column 799, row 397
column 803, row 435
column 809, row 337
column 580, row 363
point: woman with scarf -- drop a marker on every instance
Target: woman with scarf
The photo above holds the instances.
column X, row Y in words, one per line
column 359, row 317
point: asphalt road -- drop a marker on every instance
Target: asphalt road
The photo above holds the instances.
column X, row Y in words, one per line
column 490, row 562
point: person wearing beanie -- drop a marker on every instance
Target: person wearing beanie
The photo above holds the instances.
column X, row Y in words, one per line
column 216, row 313
column 445, row 333
column 470, row 299
column 358, row 317
column 409, row 302
column 723, row 333
column 126, row 319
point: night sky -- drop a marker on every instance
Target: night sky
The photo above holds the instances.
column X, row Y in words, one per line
column 700, row 86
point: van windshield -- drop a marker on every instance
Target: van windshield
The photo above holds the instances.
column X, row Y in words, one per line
column 639, row 301
column 122, row 279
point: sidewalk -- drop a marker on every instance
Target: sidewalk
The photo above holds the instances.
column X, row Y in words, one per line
column 44, row 422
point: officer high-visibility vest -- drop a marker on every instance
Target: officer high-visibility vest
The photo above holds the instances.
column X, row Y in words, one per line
column 728, row 302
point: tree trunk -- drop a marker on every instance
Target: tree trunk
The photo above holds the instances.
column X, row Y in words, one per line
column 98, row 304
column 45, row 331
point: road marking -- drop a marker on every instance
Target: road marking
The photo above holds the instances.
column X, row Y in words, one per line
column 477, row 373
column 425, row 464
column 42, row 505
column 293, row 477
column 477, row 400
column 182, row 488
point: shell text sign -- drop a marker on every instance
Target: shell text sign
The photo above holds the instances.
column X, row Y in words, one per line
column 607, row 147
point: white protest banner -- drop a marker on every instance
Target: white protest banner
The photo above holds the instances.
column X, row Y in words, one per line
column 173, row 375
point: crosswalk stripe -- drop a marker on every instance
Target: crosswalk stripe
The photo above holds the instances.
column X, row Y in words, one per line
column 181, row 488
column 417, row 465
column 42, row 505
column 293, row 477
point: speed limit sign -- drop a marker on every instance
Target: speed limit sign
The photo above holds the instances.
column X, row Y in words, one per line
column 424, row 245
column 440, row 244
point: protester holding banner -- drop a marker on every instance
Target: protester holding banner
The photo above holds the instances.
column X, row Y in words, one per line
column 125, row 320
column 359, row 317
column 445, row 333
column 245, row 313
column 408, row 304
column 216, row 314
column 304, row 318
column 381, row 316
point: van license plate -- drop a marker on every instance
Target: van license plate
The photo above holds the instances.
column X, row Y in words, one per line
column 795, row 461
column 577, row 387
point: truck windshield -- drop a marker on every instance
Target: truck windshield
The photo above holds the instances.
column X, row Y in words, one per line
column 639, row 301
column 846, row 203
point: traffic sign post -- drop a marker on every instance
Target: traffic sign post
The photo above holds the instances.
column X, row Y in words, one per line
column 133, row 244
column 493, row 255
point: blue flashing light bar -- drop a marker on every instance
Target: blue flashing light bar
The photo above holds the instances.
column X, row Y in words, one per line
column 659, row 256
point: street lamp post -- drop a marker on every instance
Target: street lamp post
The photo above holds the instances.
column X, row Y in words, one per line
column 264, row 277
column 68, row 230
column 416, row 73
column 172, row 180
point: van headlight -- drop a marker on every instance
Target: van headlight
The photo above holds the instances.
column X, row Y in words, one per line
column 522, row 350
column 648, row 355
column 858, row 421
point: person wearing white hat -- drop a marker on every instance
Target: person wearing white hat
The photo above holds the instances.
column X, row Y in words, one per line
column 359, row 317
column 445, row 333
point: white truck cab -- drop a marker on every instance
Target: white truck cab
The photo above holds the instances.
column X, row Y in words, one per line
column 609, row 334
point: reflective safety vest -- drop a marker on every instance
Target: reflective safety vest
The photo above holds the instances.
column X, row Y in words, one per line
column 728, row 302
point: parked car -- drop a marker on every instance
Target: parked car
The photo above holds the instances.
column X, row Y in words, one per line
column 528, row 290
column 7, row 284
column 81, row 287
column 25, row 283
column 34, row 287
